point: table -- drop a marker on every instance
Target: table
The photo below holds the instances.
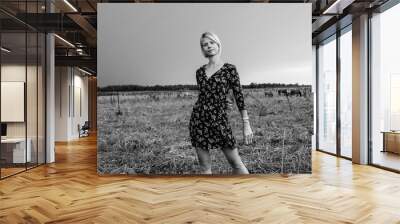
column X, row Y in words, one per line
column 15, row 148
column 391, row 141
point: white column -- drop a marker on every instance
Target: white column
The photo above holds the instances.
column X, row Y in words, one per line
column 360, row 90
column 50, row 92
column 50, row 98
column 314, row 85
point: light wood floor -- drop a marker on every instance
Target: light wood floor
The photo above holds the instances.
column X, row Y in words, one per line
column 70, row 191
column 387, row 159
column 5, row 172
column 10, row 171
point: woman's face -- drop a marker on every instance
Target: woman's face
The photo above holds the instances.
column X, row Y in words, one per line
column 209, row 47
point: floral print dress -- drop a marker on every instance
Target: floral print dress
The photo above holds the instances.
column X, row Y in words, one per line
column 209, row 126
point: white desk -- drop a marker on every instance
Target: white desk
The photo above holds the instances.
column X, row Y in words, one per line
column 18, row 150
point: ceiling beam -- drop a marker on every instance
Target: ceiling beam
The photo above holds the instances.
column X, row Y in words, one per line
column 86, row 26
column 82, row 61
column 337, row 7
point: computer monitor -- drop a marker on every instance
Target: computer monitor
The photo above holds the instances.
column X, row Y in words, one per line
column 3, row 129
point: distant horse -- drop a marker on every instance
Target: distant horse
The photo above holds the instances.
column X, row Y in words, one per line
column 154, row 97
column 295, row 92
column 269, row 94
column 283, row 92
column 184, row 95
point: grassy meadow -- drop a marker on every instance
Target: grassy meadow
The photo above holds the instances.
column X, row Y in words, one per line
column 147, row 133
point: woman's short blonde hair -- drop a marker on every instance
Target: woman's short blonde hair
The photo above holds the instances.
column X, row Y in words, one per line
column 213, row 37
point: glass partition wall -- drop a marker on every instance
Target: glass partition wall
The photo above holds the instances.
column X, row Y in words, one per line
column 346, row 92
column 385, row 89
column 327, row 95
column 334, row 105
column 13, row 90
column 22, row 98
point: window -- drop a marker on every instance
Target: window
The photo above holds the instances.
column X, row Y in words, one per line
column 22, row 79
column 385, row 89
column 327, row 96
column 346, row 75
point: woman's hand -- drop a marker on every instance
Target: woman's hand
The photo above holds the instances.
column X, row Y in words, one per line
column 247, row 132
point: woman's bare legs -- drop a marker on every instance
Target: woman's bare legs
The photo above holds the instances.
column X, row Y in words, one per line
column 204, row 160
column 232, row 155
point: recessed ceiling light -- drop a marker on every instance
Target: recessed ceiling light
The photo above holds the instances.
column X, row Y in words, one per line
column 84, row 71
column 5, row 49
column 70, row 5
column 338, row 6
column 64, row 40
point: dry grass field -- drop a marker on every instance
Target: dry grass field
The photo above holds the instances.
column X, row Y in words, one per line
column 147, row 133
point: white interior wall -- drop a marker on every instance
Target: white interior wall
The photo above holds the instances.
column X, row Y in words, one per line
column 12, row 73
column 70, row 82
column 33, row 126
column 61, row 103
column 79, row 117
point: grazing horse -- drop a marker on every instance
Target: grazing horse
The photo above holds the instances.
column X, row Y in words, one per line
column 295, row 92
column 283, row 92
column 184, row 95
column 269, row 94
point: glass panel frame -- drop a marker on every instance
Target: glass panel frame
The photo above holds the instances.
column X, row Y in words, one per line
column 25, row 62
column 327, row 74
column 13, row 74
column 345, row 54
column 337, row 136
column 383, row 84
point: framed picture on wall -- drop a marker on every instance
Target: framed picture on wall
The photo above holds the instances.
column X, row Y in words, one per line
column 12, row 101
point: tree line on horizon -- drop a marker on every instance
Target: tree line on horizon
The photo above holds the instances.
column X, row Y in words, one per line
column 180, row 87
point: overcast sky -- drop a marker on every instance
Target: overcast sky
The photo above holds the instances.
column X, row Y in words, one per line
column 153, row 43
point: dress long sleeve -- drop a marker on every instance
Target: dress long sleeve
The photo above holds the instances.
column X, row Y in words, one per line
column 198, row 81
column 237, row 90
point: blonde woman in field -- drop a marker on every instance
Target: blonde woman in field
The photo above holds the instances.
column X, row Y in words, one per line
column 209, row 126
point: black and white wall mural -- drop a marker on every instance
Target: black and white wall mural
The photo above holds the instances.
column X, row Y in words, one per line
column 204, row 88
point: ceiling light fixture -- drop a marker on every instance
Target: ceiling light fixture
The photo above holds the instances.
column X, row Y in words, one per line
column 331, row 7
column 64, row 40
column 70, row 5
column 84, row 71
column 79, row 51
column 337, row 7
column 5, row 49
